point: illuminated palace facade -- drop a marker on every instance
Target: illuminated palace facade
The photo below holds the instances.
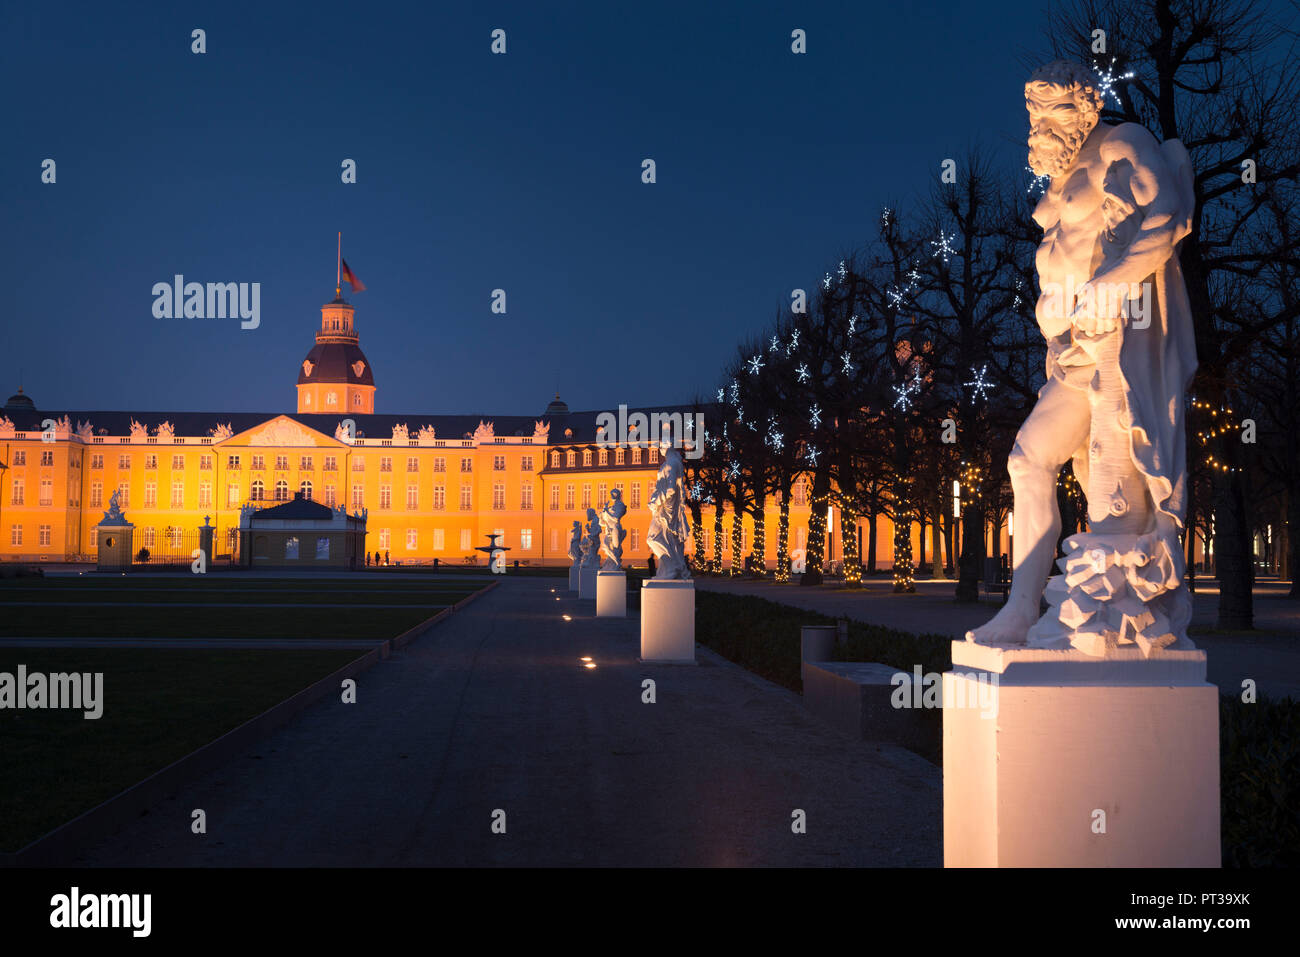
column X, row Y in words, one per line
column 433, row 486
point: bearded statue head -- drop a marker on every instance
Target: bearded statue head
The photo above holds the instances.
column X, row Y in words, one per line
column 1064, row 107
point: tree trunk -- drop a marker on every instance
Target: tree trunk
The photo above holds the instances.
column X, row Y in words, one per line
column 936, row 567
column 1233, row 562
column 971, row 563
column 816, row 550
column 783, row 539
column 871, row 543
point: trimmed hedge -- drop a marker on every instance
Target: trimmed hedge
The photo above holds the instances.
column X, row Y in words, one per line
column 1259, row 744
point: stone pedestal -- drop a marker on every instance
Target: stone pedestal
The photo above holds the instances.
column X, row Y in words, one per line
column 611, row 594
column 114, row 549
column 815, row 644
column 573, row 578
column 587, row 581
column 1053, row 758
column 668, row 621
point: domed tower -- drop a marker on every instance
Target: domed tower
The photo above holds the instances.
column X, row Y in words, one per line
column 19, row 402
column 336, row 376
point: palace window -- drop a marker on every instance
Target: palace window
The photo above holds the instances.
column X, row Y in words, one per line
column 602, row 494
column 256, row 491
column 331, row 399
column 282, row 491
column 586, row 495
column 15, row 534
column 304, row 463
column 619, row 456
column 412, row 464
column 555, row 460
column 384, row 539
column 633, row 539
column 150, row 494
column 43, row 536
column 466, row 498
column 178, row 495
column 604, row 457
column 232, row 462
column 439, row 540
column 412, row 497
column 356, row 497
column 205, row 495
column 282, row 463
column 568, row 497
column 586, row 458
column 150, row 537
column 306, row 489
column 465, row 543
column 555, row 540
column 385, row 463
column 439, row 498
column 555, row 498
column 467, row 465
column 635, row 495
column 331, row 464
column 96, row 494
column 47, row 457
column 97, row 461
column 232, row 495
column 331, row 496
column 47, row 492
column 178, row 463
column 358, row 464
column 123, row 495
column 412, row 536
column 636, row 456
column 499, row 495
column 498, row 463
column 526, row 498
column 257, row 462
column 385, row 496
column 571, row 458
column 526, row 538
column 16, row 493
column 151, row 461
column 654, row 454
column 526, row 463
column 205, row 463
column 440, row 464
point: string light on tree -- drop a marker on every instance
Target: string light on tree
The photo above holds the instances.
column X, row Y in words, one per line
column 776, row 344
column 848, row 364
column 980, row 384
column 802, row 373
column 794, row 342
column 943, row 247
column 812, row 454
column 755, row 364
column 843, row 272
column 1106, row 80
column 826, row 283
column 815, row 415
column 1038, row 181
column 904, row 392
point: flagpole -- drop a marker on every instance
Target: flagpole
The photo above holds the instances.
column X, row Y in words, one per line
column 338, row 269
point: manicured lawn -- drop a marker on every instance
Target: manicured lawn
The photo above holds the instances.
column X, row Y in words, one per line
column 159, row 705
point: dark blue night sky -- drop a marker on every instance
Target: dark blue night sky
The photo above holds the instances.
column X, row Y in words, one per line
column 475, row 172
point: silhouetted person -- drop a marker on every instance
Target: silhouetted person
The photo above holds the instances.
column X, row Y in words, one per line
column 650, row 565
column 385, row 556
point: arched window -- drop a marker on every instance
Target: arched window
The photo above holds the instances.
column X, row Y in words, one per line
column 331, row 398
column 586, row 458
column 604, row 456
column 258, row 491
column 305, row 488
column 555, row 460
column 282, row 491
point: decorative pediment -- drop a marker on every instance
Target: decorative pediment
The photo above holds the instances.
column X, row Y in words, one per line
column 222, row 431
column 281, row 431
column 138, row 432
column 541, row 430
column 358, row 367
column 307, row 367
column 485, row 432
column 400, row 433
column 427, row 434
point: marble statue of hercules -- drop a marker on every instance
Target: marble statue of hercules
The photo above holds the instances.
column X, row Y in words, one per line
column 1114, row 312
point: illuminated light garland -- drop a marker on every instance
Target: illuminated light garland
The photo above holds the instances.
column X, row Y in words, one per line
column 826, row 283
column 716, row 564
column 776, row 344
column 815, row 554
column 848, row 365
column 853, row 324
column 737, row 533
column 1039, row 181
column 843, row 272
column 760, row 539
column 802, row 373
column 849, row 535
column 815, row 415
column 944, row 246
column 904, row 567
column 755, row 364
column 980, row 385
column 783, row 542
column 812, row 454
column 1106, row 81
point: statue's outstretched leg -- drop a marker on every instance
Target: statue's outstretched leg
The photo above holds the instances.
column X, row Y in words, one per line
column 1056, row 427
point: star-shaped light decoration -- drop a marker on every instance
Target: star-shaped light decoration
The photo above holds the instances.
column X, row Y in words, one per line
column 755, row 364
column 853, row 324
column 980, row 384
column 895, row 296
column 826, row 283
column 721, row 395
column 775, row 344
column 801, row 373
column 815, row 415
column 733, row 470
column 735, row 391
column 794, row 341
column 1107, row 79
column 843, row 272
column 884, row 216
column 943, row 246
column 812, row 454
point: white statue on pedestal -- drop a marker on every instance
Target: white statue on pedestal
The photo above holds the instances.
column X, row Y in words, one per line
column 575, row 543
column 612, row 532
column 591, row 542
column 1120, row 357
column 669, row 526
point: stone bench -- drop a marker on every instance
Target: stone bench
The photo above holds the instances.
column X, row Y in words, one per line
column 854, row 696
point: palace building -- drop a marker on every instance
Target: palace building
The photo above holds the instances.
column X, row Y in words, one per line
column 432, row 486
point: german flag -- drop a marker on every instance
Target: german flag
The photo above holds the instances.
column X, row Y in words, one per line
column 348, row 276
